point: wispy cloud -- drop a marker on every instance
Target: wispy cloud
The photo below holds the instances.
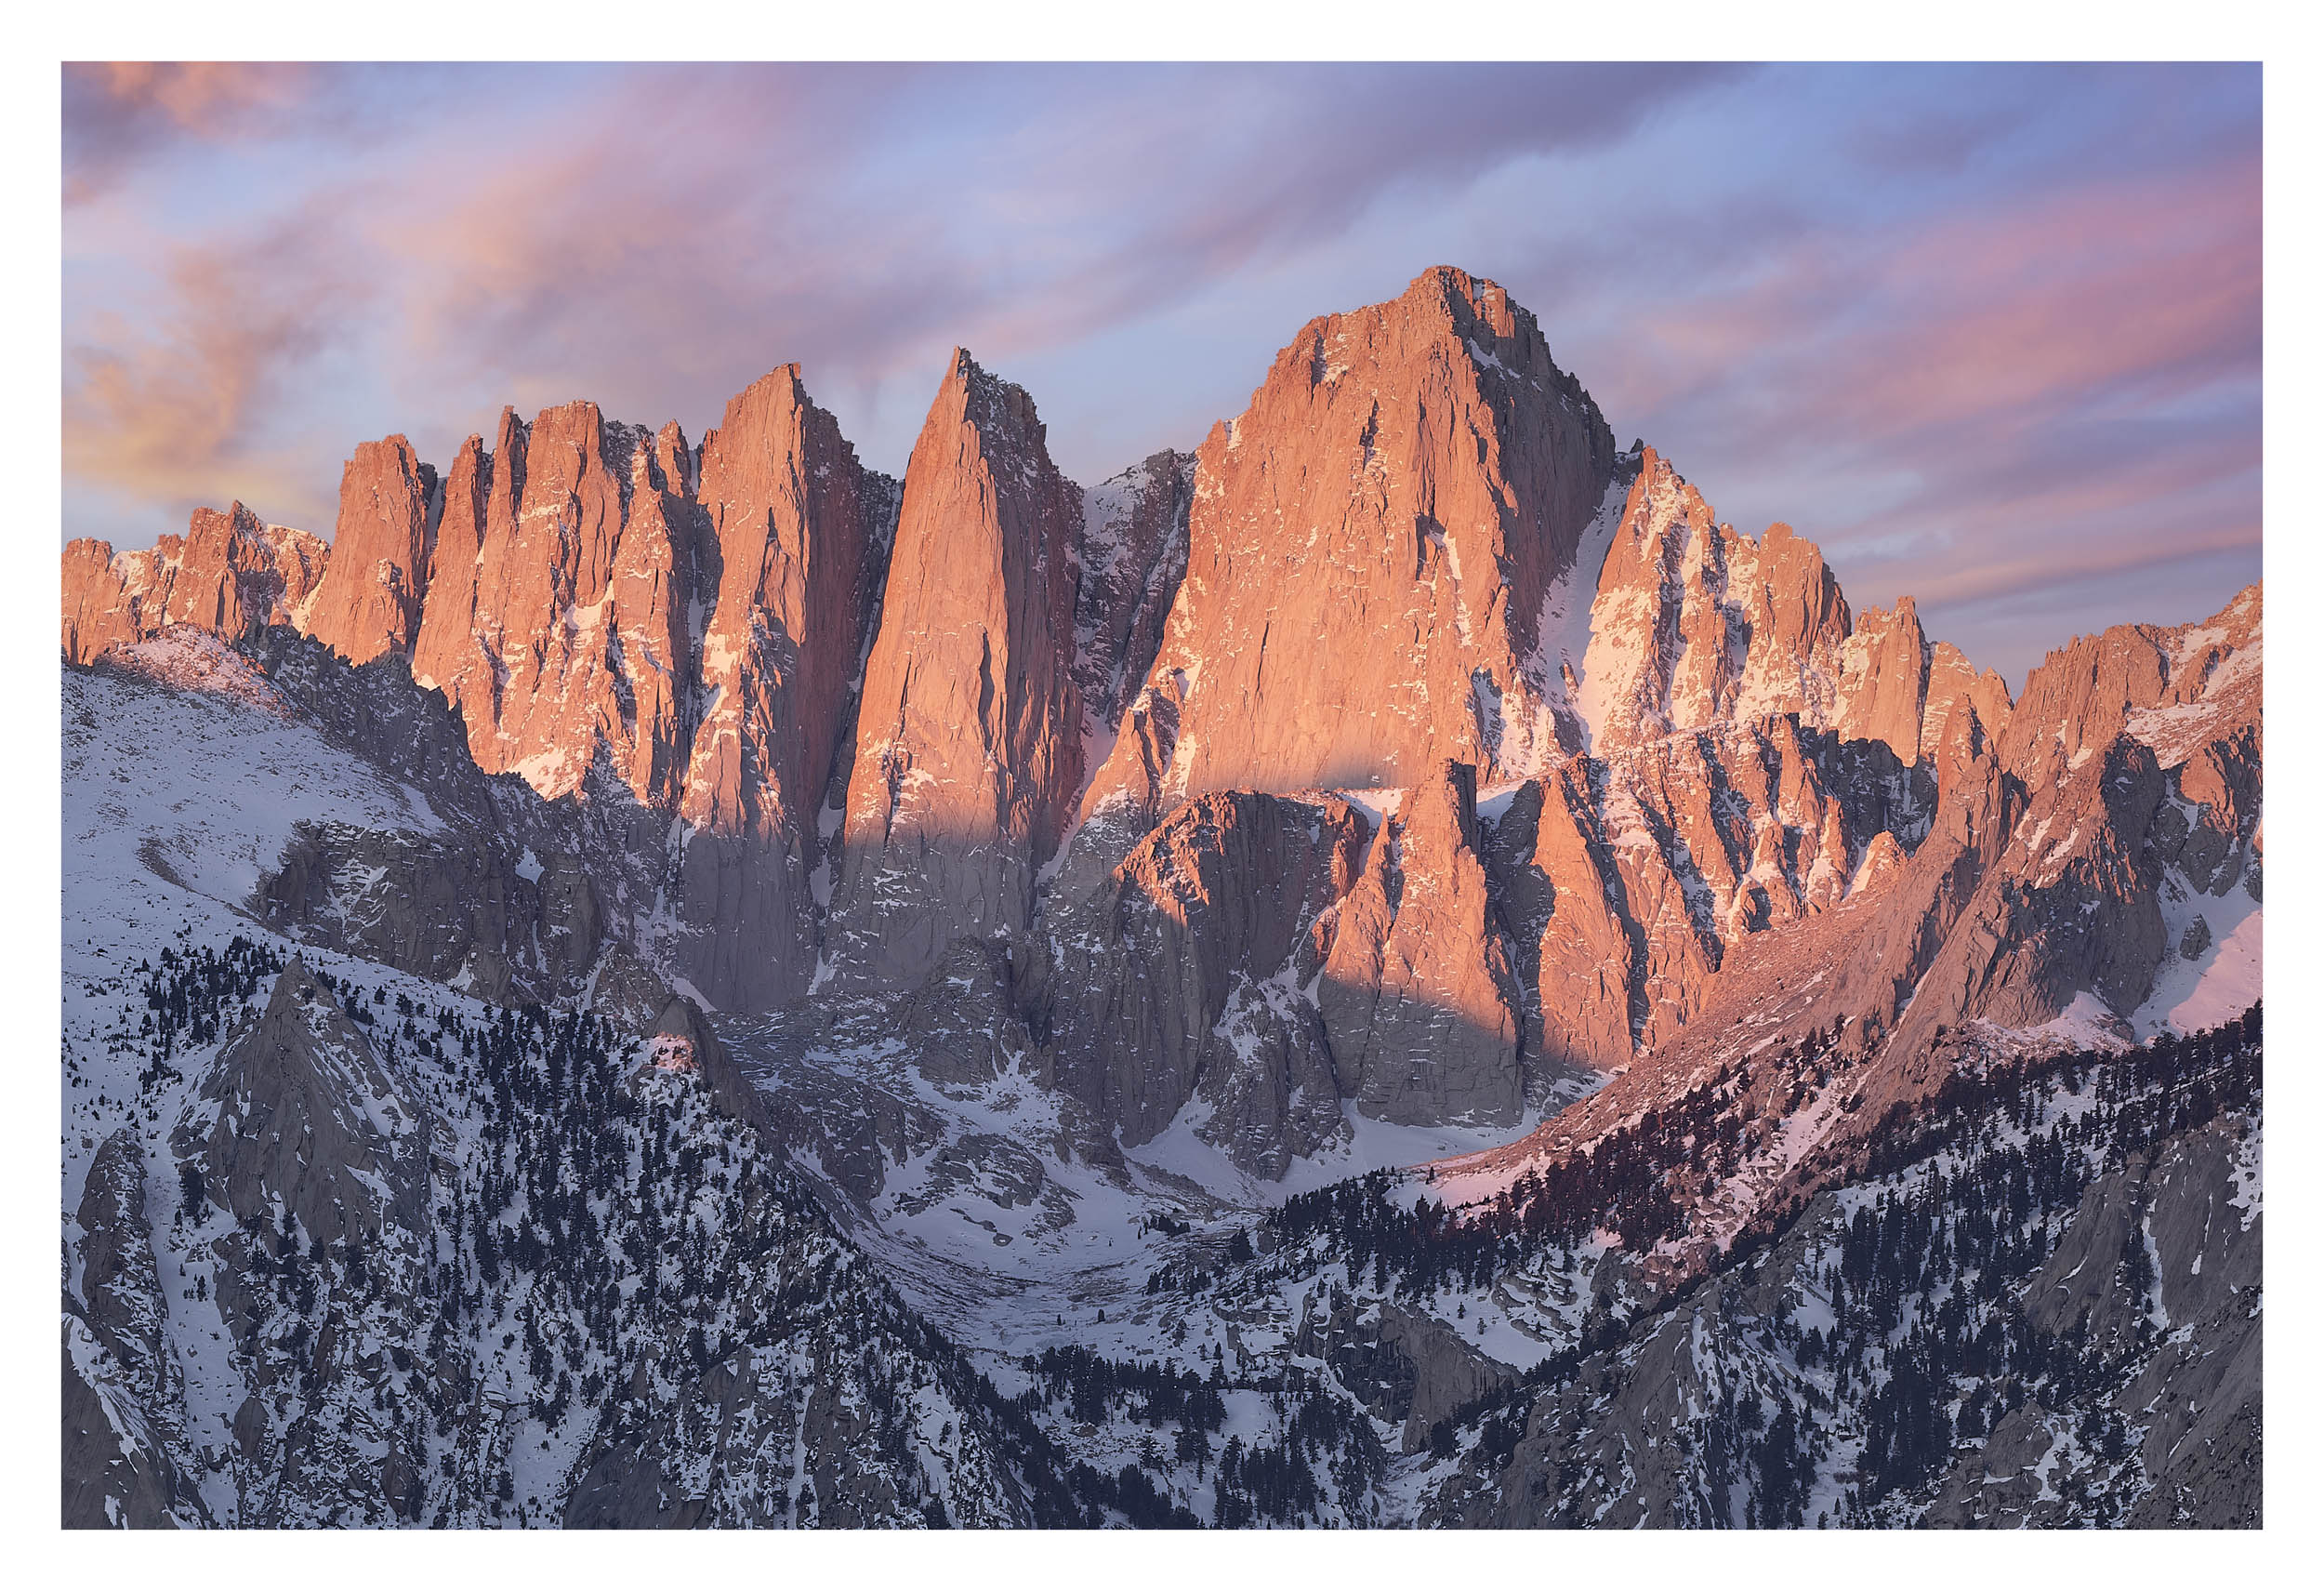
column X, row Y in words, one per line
column 114, row 112
column 1967, row 325
column 176, row 406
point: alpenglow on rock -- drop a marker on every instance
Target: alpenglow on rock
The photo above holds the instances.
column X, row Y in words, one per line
column 744, row 1005
column 369, row 600
column 798, row 531
column 1694, row 624
column 1419, row 993
column 229, row 573
column 1371, row 549
column 968, row 742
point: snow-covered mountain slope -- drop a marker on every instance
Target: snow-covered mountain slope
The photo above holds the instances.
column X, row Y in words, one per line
column 1300, row 986
column 175, row 802
column 312, row 1205
column 1154, row 1330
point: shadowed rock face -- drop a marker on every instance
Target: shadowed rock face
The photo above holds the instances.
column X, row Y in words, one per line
column 305, row 1112
column 481, row 921
column 122, row 1387
column 1130, row 559
column 125, row 1311
column 1188, row 974
column 118, row 1474
column 967, row 749
column 1404, row 1366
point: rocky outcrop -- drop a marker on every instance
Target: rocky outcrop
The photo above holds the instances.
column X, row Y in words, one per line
column 628, row 992
column 2036, row 912
column 301, row 1120
column 118, row 1470
column 1404, row 1366
column 122, row 1386
column 559, row 624
column 2175, row 689
column 504, row 925
column 2068, row 907
column 2138, row 754
column 960, row 1025
column 1371, row 546
column 1884, row 679
column 1447, row 1374
column 369, row 600
column 1962, row 714
column 120, row 1283
column 796, row 530
column 1625, row 880
column 1420, row 992
column 229, row 573
column 482, row 495
column 1694, row 624
column 486, row 884
column 967, row 749
column 1189, row 974
column 1580, row 955
column 1130, row 559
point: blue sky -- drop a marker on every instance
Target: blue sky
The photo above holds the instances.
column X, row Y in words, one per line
column 1990, row 335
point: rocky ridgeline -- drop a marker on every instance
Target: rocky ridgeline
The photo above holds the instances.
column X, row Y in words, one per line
column 229, row 573
column 2041, row 883
column 976, row 705
column 1406, row 758
column 2039, row 1303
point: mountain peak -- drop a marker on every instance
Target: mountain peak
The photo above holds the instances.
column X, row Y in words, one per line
column 968, row 749
column 1471, row 300
column 1371, row 546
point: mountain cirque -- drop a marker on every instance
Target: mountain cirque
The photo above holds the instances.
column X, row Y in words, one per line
column 1406, row 771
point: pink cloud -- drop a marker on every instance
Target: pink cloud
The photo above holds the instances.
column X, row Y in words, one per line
column 1956, row 365
column 175, row 410
column 115, row 111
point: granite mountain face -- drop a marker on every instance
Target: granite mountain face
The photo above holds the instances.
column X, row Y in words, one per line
column 653, row 982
